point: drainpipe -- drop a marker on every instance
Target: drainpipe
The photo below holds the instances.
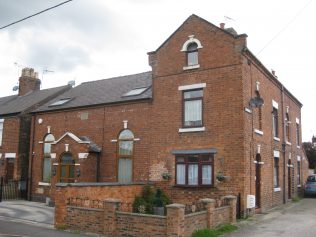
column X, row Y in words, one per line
column 31, row 155
column 283, row 142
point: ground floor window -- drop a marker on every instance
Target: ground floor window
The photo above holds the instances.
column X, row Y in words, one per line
column 276, row 172
column 298, row 172
column 195, row 170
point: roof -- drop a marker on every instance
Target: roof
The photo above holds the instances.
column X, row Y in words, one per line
column 101, row 92
column 15, row 104
column 229, row 31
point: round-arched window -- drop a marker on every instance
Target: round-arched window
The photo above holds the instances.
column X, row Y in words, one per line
column 47, row 172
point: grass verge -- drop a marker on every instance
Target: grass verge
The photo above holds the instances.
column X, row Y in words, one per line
column 215, row 232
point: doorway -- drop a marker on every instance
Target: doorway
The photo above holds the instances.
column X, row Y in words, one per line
column 258, row 181
column 9, row 169
column 289, row 177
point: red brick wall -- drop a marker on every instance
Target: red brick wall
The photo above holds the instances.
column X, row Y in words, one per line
column 10, row 143
column 140, row 225
column 195, row 221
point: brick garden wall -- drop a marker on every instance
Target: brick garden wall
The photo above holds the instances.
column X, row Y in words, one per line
column 110, row 220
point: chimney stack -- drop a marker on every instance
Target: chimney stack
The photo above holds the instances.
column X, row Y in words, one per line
column 28, row 81
column 222, row 25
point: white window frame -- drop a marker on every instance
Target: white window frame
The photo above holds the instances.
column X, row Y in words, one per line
column 1, row 130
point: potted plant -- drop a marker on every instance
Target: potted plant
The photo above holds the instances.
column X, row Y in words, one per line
column 220, row 176
column 158, row 203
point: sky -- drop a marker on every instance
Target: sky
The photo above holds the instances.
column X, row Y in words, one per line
column 97, row 39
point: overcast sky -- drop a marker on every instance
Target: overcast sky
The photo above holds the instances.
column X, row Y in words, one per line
column 86, row 40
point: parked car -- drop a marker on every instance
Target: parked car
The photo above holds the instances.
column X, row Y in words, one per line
column 310, row 186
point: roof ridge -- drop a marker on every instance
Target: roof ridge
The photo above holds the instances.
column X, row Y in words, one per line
column 113, row 78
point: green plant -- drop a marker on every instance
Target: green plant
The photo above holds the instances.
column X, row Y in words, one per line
column 150, row 199
column 158, row 199
column 296, row 199
column 227, row 228
column 220, row 176
column 139, row 205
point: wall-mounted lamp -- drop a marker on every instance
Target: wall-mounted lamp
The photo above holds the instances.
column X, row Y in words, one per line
column 54, row 171
column 78, row 172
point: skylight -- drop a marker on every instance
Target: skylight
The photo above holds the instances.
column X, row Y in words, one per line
column 60, row 102
column 136, row 91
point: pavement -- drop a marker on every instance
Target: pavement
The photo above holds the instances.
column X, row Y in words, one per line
column 27, row 212
column 294, row 219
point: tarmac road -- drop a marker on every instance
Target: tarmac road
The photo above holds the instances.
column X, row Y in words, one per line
column 293, row 220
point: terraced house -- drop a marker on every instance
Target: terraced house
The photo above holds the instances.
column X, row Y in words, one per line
column 15, row 124
column 207, row 121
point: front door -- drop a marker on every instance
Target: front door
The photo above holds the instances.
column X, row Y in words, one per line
column 258, row 181
column 9, row 169
column 289, row 173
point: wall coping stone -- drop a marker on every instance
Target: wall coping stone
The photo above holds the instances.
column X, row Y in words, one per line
column 176, row 206
column 230, row 197
column 112, row 200
column 207, row 200
column 94, row 184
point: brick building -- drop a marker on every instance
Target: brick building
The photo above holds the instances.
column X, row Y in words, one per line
column 208, row 120
column 15, row 123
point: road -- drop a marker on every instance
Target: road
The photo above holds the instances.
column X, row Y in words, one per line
column 15, row 228
column 298, row 220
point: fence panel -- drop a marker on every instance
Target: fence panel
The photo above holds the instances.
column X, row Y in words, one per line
column 13, row 189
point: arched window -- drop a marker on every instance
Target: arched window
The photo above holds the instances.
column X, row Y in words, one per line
column 192, row 54
column 125, row 154
column 49, row 138
column 67, row 168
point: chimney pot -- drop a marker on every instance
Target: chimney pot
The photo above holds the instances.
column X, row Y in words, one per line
column 222, row 25
column 28, row 81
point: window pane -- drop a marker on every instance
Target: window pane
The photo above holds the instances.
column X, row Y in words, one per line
column 193, row 113
column 71, row 171
column 47, row 170
column 125, row 170
column 180, row 159
column 126, row 147
column 67, row 159
column 192, row 47
column 180, row 174
column 193, row 159
column 193, row 94
column 126, row 134
column 63, row 172
column 206, row 158
column 206, row 174
column 193, row 174
column 193, row 58
column 47, row 149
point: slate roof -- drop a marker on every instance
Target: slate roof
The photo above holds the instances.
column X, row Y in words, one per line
column 104, row 91
column 15, row 104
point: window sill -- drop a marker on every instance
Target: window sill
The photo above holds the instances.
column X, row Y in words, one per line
column 193, row 186
column 259, row 132
column 199, row 129
column 288, row 143
column 278, row 189
column 298, row 147
column 43, row 184
column 191, row 67
column 276, row 139
column 299, row 186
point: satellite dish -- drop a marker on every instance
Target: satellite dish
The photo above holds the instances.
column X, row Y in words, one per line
column 15, row 88
column 256, row 102
column 72, row 83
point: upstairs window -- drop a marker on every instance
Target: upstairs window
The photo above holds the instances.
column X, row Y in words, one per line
column 275, row 123
column 192, row 54
column 193, row 108
column 47, row 158
column 125, row 155
column 287, row 127
column 298, row 134
column 1, row 130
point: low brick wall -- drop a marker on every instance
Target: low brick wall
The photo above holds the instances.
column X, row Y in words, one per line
column 132, row 224
column 84, row 219
column 91, row 192
column 195, row 221
column 111, row 221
